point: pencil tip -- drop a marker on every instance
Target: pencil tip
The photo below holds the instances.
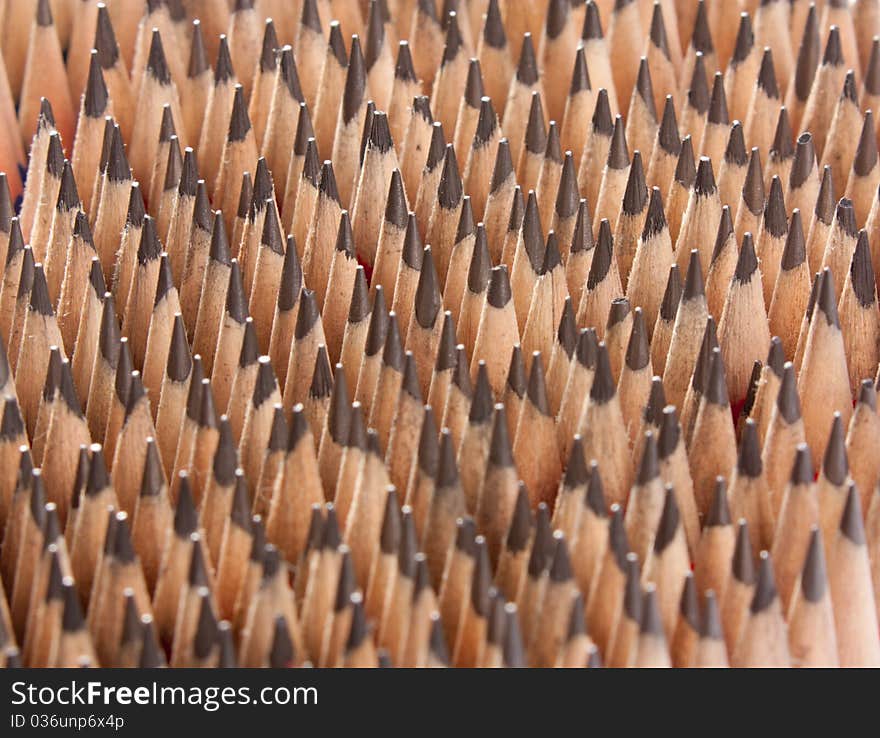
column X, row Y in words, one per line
column 747, row 262
column 576, row 472
column 516, row 372
column 735, row 153
column 395, row 206
column 603, row 388
column 40, row 302
column 804, row 161
column 207, row 627
column 186, row 520
column 645, row 89
column 765, row 587
column 635, row 195
column 72, row 620
column 281, row 654
column 157, row 66
column 745, row 40
column 95, row 98
column 833, row 55
column 689, row 607
column 826, row 300
column 868, row 395
column 716, row 389
column 450, row 190
column 668, row 135
column 11, row 422
column 835, row 465
column 537, row 388
column 693, row 285
column 151, row 653
column 618, row 154
column 68, row 197
column 355, row 82
column 437, row 641
column 649, row 467
column 825, row 202
column 851, row 524
column 500, row 453
column 814, row 576
column 862, row 272
column 653, row 412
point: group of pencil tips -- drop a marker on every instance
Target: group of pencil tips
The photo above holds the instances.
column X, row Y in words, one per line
column 422, row 333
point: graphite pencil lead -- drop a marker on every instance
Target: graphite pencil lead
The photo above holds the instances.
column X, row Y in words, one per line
column 736, row 153
column 826, row 301
column 668, row 136
column 395, row 207
column 753, row 187
column 516, row 375
column 698, row 93
column 866, row 152
column 795, row 251
column 851, row 524
column 862, row 272
column 618, row 154
column 814, row 580
column 835, row 465
column 672, row 294
column 825, row 200
column 765, row 587
column 603, row 388
column 747, row 263
column 693, row 285
column 749, row 462
column 635, row 195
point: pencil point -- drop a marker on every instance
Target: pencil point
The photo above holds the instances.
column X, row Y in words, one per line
column 68, row 197
column 835, row 465
column 645, row 88
column 735, row 153
column 649, row 467
column 814, row 578
column 339, row 413
column 576, row 472
column 186, row 519
column 747, row 263
column 500, row 454
column 410, row 383
column 851, row 524
column 669, row 521
column 667, row 135
column 40, row 302
column 862, row 272
column 587, row 348
column 498, row 295
column 618, row 154
column 745, row 40
column 704, row 184
column 635, row 195
column 281, row 654
column 867, row 395
column 826, row 300
column 765, row 588
column 602, row 257
column 603, row 388
column 355, row 82
column 516, row 373
column 157, row 67
column 96, row 97
column 689, row 606
column 390, row 536
column 672, row 294
column 207, row 629
column 693, row 285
